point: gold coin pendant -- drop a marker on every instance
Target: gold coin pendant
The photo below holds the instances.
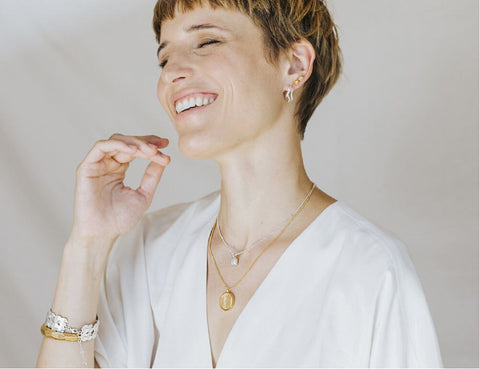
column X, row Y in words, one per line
column 227, row 300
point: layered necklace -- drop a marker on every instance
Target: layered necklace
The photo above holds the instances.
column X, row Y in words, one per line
column 227, row 299
column 236, row 252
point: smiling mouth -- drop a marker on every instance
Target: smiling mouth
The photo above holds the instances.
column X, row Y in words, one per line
column 194, row 102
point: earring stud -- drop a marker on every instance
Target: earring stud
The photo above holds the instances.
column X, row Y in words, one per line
column 298, row 80
column 289, row 94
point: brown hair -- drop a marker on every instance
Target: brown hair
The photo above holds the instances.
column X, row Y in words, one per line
column 283, row 22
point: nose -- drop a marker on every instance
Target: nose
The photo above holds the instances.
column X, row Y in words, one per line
column 177, row 69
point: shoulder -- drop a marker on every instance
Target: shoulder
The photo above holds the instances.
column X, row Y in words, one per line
column 365, row 246
column 377, row 273
column 363, row 261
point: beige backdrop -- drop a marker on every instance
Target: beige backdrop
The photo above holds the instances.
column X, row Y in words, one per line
column 397, row 139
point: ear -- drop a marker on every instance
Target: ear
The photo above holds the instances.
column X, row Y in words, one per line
column 299, row 63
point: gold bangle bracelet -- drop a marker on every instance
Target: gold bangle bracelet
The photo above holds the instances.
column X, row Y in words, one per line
column 50, row 333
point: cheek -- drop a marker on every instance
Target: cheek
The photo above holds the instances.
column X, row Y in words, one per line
column 256, row 87
column 254, row 75
column 237, row 76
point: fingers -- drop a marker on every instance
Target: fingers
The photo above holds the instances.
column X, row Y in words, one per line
column 103, row 148
column 141, row 141
column 155, row 140
column 151, row 178
column 148, row 145
column 124, row 149
column 149, row 153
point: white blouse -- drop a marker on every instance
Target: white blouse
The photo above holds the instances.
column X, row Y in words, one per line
column 344, row 294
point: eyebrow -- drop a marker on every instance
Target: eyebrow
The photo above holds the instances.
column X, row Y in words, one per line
column 195, row 27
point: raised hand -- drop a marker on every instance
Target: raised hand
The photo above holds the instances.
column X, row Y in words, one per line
column 104, row 207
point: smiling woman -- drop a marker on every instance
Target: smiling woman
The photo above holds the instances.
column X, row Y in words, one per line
column 268, row 271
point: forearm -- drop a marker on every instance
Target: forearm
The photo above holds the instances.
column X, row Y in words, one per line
column 76, row 298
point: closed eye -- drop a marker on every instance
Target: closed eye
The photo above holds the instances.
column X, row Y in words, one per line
column 209, row 42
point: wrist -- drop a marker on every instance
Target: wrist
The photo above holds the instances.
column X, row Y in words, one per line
column 89, row 254
column 83, row 239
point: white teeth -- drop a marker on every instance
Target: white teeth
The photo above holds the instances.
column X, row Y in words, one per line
column 192, row 102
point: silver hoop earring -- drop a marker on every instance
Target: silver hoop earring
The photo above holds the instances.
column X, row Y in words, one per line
column 289, row 94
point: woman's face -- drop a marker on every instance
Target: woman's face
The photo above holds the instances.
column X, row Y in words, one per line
column 215, row 59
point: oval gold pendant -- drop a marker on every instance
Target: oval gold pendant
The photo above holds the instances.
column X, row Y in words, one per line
column 227, row 300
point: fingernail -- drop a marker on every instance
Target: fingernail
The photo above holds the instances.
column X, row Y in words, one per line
column 163, row 160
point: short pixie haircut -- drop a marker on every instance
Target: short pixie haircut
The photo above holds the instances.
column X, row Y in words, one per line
column 283, row 22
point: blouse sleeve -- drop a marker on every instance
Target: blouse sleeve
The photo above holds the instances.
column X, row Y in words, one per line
column 110, row 347
column 126, row 332
column 404, row 334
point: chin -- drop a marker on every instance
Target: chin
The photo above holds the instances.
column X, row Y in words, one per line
column 195, row 147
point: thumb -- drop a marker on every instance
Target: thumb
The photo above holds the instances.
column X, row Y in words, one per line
column 151, row 178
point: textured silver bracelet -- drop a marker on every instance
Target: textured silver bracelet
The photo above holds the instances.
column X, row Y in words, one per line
column 60, row 324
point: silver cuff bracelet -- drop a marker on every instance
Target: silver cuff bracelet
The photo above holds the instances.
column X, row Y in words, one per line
column 60, row 324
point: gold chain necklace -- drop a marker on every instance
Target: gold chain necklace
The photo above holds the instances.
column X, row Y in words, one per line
column 227, row 299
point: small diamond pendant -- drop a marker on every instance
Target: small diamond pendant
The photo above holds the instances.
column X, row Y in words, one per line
column 234, row 261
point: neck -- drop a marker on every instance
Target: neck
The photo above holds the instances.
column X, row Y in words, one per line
column 262, row 186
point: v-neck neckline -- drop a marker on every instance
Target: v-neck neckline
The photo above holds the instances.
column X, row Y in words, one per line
column 248, row 306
